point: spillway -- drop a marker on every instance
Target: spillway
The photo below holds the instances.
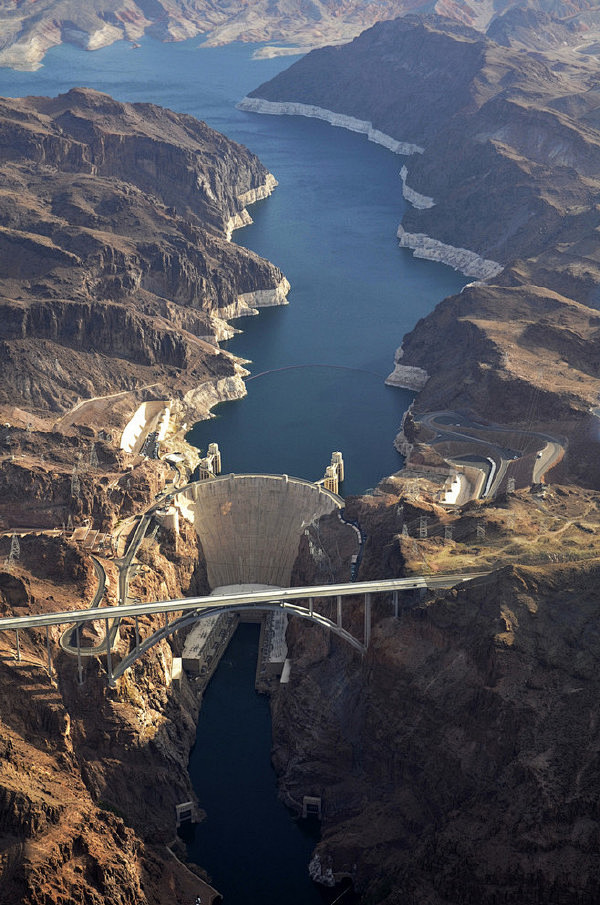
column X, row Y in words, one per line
column 250, row 525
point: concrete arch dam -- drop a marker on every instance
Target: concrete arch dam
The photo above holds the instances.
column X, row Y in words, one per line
column 250, row 526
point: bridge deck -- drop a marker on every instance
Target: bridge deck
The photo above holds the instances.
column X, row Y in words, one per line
column 284, row 595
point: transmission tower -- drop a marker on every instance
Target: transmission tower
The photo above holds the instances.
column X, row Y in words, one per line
column 75, row 485
column 93, row 456
column 15, row 552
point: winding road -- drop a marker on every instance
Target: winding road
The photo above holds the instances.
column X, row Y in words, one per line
column 452, row 427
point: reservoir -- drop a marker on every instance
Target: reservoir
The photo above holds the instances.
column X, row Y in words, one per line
column 318, row 367
column 330, row 226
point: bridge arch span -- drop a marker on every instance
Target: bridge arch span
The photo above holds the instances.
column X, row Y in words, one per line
column 293, row 609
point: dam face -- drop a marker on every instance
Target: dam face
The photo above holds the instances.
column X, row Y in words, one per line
column 250, row 526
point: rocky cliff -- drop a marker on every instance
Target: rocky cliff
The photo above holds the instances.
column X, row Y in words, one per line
column 117, row 272
column 456, row 761
column 89, row 779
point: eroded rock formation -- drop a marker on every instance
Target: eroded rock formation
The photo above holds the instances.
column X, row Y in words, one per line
column 117, row 272
column 89, row 779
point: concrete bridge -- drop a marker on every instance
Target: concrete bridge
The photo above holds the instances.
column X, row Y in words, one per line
column 313, row 603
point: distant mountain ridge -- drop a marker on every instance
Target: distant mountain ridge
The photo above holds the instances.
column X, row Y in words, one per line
column 28, row 30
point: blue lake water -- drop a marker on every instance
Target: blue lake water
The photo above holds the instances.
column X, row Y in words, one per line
column 318, row 367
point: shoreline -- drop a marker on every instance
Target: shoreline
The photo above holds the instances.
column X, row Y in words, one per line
column 461, row 259
column 197, row 404
column 406, row 377
column 423, row 246
column 341, row 120
column 418, row 201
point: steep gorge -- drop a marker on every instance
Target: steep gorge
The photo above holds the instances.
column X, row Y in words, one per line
column 445, row 759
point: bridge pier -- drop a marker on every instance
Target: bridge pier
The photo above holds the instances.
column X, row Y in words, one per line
column 339, row 610
column 49, row 651
column 111, row 681
column 18, row 646
column 395, row 599
column 367, row 631
column 137, row 634
column 79, row 666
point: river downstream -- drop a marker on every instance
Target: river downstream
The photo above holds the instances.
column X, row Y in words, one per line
column 318, row 370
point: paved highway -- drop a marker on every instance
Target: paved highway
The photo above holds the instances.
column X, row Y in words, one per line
column 254, row 598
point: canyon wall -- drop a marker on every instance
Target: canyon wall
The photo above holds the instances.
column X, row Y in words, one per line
column 117, row 272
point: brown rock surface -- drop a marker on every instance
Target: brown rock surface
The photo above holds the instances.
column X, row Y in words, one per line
column 456, row 763
column 116, row 268
column 89, row 778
